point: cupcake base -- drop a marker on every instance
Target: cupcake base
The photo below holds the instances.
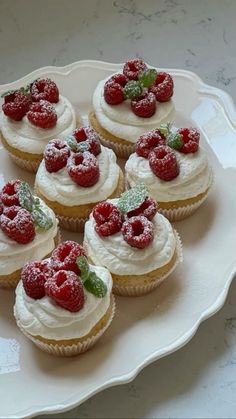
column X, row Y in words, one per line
column 27, row 161
column 12, row 279
column 72, row 347
column 74, row 218
column 122, row 148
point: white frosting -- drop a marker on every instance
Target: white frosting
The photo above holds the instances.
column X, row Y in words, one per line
column 27, row 137
column 120, row 121
column 13, row 255
column 120, row 258
column 194, row 178
column 60, row 187
column 45, row 318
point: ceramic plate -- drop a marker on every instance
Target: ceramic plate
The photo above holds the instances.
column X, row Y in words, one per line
column 144, row 328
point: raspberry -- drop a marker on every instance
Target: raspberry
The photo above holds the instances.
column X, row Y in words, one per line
column 148, row 209
column 163, row 88
column 133, row 68
column 17, row 224
column 1, row 208
column 34, row 276
column 113, row 93
column 16, row 105
column 44, row 89
column 119, row 78
column 42, row 114
column 88, row 134
column 191, row 138
column 138, row 231
column 163, row 163
column 144, row 105
column 65, row 255
column 56, row 154
column 8, row 193
column 148, row 141
column 83, row 169
column 108, row 219
column 66, row 289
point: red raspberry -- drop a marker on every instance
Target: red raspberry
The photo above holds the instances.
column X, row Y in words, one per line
column 148, row 141
column 65, row 255
column 17, row 224
column 191, row 138
column 34, row 275
column 83, row 169
column 113, row 93
column 1, row 207
column 108, row 219
column 133, row 68
column 42, row 114
column 66, row 289
column 88, row 134
column 148, row 209
column 163, row 88
column 119, row 78
column 163, row 163
column 144, row 105
column 44, row 89
column 8, row 193
column 138, row 231
column 16, row 105
column 56, row 154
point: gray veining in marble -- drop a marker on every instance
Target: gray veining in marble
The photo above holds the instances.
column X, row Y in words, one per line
column 199, row 381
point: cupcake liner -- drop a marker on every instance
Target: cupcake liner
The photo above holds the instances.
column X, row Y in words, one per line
column 12, row 282
column 138, row 290
column 76, row 348
column 121, row 150
column 29, row 165
column 72, row 224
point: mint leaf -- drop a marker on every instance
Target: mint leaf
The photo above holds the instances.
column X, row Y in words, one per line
column 72, row 143
column 132, row 89
column 133, row 198
column 95, row 285
column 165, row 129
column 84, row 268
column 148, row 77
column 24, row 89
column 174, row 140
column 25, row 196
column 41, row 219
column 8, row 92
column 82, row 146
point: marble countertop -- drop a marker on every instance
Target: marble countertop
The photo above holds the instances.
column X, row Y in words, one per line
column 198, row 381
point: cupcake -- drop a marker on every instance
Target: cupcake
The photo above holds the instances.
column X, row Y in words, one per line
column 128, row 104
column 28, row 230
column 32, row 116
column 77, row 174
column 175, row 169
column 64, row 304
column 133, row 241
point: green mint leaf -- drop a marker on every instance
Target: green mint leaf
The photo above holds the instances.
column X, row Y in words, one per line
column 133, row 198
column 25, row 196
column 165, row 129
column 148, row 77
column 8, row 92
column 72, row 143
column 95, row 285
column 132, row 89
column 40, row 218
column 84, row 268
column 83, row 146
column 24, row 89
column 174, row 140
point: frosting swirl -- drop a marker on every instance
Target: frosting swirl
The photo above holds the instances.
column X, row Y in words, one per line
column 13, row 255
column 59, row 186
column 120, row 121
column 194, row 178
column 122, row 259
column 44, row 318
column 28, row 138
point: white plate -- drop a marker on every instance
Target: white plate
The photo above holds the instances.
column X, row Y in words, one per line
column 145, row 328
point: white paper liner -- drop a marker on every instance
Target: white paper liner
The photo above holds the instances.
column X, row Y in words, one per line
column 12, row 283
column 70, row 350
column 138, row 290
column 29, row 165
column 72, row 224
column 121, row 150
